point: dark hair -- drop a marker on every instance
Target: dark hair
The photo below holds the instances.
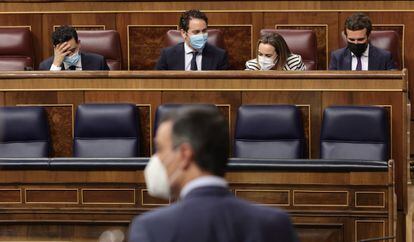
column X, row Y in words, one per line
column 281, row 48
column 64, row 33
column 190, row 14
column 358, row 21
column 206, row 130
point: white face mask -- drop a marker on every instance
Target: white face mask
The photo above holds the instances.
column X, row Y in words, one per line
column 266, row 63
column 156, row 178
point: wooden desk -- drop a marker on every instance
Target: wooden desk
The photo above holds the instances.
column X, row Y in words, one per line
column 60, row 93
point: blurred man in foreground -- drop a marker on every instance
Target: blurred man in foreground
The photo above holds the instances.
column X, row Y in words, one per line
column 190, row 162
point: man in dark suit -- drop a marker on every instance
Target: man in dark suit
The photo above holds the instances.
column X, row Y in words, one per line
column 194, row 53
column 192, row 153
column 359, row 53
column 67, row 55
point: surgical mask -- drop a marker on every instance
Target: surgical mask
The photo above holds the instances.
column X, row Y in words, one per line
column 266, row 63
column 72, row 60
column 198, row 41
column 357, row 49
column 156, row 178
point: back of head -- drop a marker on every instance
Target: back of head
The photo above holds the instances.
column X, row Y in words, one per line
column 191, row 14
column 358, row 21
column 281, row 48
column 64, row 33
column 206, row 130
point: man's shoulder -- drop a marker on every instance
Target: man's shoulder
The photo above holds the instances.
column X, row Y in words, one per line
column 379, row 51
column 90, row 55
column 173, row 48
column 340, row 51
column 215, row 49
column 45, row 64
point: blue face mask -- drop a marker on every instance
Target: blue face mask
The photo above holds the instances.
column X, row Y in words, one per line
column 72, row 60
column 198, row 41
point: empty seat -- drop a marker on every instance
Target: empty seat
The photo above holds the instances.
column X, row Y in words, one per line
column 215, row 37
column 24, row 132
column 269, row 131
column 302, row 42
column 355, row 132
column 16, row 49
column 165, row 109
column 106, row 130
column 103, row 42
column 386, row 40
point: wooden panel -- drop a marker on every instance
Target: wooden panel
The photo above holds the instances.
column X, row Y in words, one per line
column 144, row 44
column 366, row 229
column 321, row 32
column 108, row 196
column 10, row 196
column 58, row 195
column 238, row 41
column 320, row 232
column 148, row 200
column 60, row 120
column 57, row 232
column 266, row 197
column 320, row 198
column 370, row 199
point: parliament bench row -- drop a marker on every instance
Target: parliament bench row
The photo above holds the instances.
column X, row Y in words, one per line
column 262, row 131
column 17, row 50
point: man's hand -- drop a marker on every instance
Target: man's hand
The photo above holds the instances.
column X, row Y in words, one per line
column 61, row 50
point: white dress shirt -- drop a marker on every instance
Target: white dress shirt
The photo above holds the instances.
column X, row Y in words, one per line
column 189, row 56
column 364, row 60
column 204, row 181
column 59, row 68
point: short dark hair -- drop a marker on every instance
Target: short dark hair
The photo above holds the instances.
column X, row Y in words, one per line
column 190, row 14
column 64, row 33
column 358, row 21
column 206, row 130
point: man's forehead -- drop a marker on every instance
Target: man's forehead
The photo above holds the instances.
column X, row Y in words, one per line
column 164, row 130
column 356, row 32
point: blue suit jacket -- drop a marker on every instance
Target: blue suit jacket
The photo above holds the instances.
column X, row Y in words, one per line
column 172, row 58
column 378, row 59
column 90, row 62
column 212, row 214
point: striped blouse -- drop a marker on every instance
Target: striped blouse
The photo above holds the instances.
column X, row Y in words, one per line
column 293, row 63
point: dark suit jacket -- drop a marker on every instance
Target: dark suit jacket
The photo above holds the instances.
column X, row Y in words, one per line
column 90, row 62
column 173, row 58
column 212, row 214
column 378, row 59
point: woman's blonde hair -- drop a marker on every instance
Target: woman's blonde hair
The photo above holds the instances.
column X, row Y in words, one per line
column 281, row 48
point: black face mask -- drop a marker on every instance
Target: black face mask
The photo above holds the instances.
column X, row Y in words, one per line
column 357, row 49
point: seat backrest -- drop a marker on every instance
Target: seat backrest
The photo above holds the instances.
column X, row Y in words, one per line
column 166, row 109
column 103, row 42
column 16, row 49
column 386, row 40
column 215, row 37
column 106, row 130
column 302, row 42
column 24, row 132
column 355, row 132
column 269, row 131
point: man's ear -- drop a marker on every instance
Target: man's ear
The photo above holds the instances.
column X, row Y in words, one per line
column 183, row 33
column 187, row 155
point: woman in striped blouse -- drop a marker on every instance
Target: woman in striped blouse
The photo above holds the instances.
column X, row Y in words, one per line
column 274, row 54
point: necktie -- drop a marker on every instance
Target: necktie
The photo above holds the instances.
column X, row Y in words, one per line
column 359, row 64
column 72, row 68
column 193, row 61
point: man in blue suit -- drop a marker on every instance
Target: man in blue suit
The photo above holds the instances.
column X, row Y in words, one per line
column 192, row 152
column 194, row 54
column 359, row 54
column 67, row 55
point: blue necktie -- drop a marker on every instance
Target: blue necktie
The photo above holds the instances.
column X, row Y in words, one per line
column 193, row 61
column 359, row 64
